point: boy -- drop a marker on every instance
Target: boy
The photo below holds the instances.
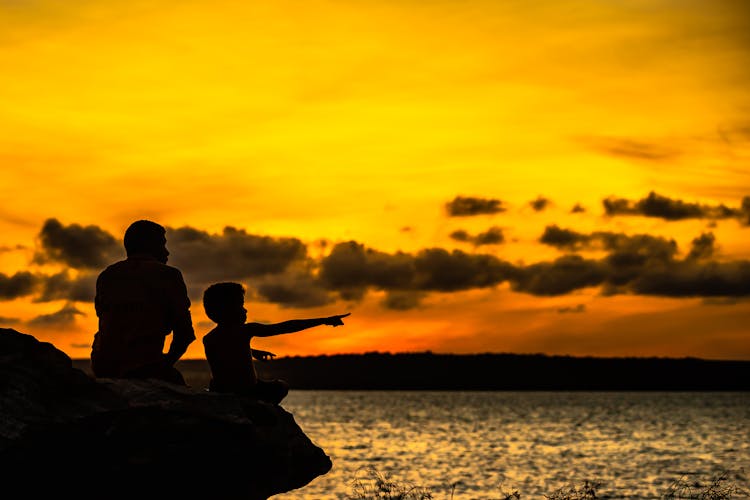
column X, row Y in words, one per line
column 227, row 346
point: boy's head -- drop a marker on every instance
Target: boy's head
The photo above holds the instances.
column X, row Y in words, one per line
column 224, row 303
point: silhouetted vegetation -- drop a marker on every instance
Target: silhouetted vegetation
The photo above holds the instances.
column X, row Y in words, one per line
column 370, row 484
column 428, row 371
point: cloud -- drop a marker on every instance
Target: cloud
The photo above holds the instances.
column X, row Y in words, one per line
column 62, row 286
column 564, row 238
column 655, row 205
column 577, row 209
column 647, row 265
column 440, row 270
column 65, row 317
column 9, row 248
column 631, row 149
column 402, row 301
column 561, row 276
column 18, row 285
column 493, row 236
column 351, row 266
column 296, row 289
column 623, row 248
column 4, row 320
column 462, row 206
column 280, row 271
column 79, row 247
column 539, row 204
column 702, row 247
column 580, row 308
column 232, row 255
column 692, row 279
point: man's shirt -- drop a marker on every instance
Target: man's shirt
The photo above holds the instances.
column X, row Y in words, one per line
column 139, row 301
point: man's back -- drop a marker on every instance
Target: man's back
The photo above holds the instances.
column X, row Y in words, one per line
column 139, row 301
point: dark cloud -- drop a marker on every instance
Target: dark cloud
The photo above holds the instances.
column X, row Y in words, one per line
column 632, row 149
column 440, row 270
column 693, row 279
column 577, row 208
column 655, row 205
column 79, row 247
column 65, row 317
column 299, row 290
column 351, row 267
column 461, row 235
column 580, row 308
column 233, row 255
column 62, row 286
column 539, row 204
column 18, row 285
column 702, row 247
column 462, row 206
column 493, row 236
column 564, row 238
column 280, row 270
column 561, row 276
column 643, row 248
column 623, row 248
column 402, row 301
column 9, row 321
column 9, row 248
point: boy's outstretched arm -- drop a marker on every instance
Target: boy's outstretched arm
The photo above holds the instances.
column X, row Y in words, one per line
column 293, row 325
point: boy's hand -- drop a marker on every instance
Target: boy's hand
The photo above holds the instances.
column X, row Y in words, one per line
column 335, row 320
column 263, row 355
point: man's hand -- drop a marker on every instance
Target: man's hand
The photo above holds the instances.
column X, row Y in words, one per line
column 262, row 355
column 335, row 320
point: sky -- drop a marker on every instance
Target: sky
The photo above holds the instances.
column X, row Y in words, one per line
column 564, row 177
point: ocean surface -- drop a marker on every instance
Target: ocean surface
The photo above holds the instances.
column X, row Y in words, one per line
column 477, row 445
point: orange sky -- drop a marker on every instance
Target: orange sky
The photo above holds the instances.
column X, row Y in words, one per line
column 322, row 123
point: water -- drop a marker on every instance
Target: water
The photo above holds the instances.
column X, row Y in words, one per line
column 483, row 443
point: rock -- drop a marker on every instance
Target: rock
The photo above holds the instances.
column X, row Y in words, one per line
column 62, row 431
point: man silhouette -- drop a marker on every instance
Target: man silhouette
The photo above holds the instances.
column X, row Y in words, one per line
column 139, row 302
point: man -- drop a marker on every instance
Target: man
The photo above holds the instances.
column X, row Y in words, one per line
column 139, row 302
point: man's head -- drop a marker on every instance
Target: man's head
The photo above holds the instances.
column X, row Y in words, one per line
column 146, row 237
column 225, row 303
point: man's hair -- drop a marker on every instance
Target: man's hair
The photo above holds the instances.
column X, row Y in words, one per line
column 217, row 297
column 143, row 236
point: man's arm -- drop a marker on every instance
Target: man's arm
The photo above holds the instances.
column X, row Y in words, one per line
column 183, row 333
column 293, row 325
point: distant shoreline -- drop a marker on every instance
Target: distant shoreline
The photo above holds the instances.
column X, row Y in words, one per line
column 491, row 372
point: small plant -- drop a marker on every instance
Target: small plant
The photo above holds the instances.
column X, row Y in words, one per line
column 719, row 487
column 585, row 491
column 377, row 486
column 509, row 495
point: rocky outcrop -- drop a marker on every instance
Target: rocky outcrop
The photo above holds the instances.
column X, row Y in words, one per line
column 64, row 433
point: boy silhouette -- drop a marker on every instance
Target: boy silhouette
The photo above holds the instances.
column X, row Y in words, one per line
column 227, row 346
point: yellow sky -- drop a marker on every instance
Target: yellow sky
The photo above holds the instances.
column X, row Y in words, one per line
column 359, row 121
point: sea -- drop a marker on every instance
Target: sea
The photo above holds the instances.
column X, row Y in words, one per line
column 489, row 445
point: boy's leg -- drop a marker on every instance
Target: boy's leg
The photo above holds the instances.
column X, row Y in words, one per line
column 271, row 391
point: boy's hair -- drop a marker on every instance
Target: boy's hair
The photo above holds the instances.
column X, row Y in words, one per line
column 143, row 236
column 217, row 297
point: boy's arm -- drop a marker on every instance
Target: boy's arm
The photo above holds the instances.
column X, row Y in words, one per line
column 293, row 325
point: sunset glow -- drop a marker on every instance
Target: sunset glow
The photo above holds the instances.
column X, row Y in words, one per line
column 463, row 177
